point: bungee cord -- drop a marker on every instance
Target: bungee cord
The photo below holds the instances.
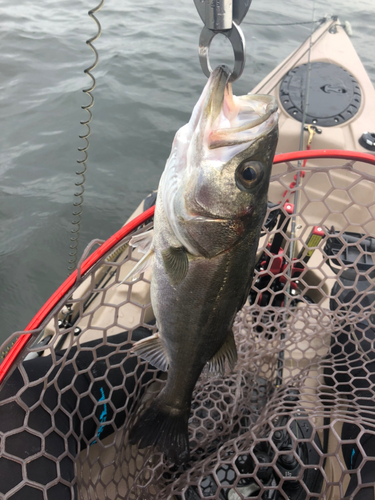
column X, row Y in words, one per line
column 77, row 212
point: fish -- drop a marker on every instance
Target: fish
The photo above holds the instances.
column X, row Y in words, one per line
column 210, row 207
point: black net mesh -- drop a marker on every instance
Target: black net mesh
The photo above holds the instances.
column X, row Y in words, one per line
column 294, row 420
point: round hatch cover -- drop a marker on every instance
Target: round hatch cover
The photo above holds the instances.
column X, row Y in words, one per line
column 334, row 94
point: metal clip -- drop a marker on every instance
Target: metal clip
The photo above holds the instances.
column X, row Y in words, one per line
column 222, row 16
column 237, row 40
column 238, row 8
column 218, row 14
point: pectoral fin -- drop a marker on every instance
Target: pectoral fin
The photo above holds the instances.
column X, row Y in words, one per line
column 176, row 264
column 151, row 349
column 227, row 351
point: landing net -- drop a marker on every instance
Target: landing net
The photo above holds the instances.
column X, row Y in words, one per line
column 294, row 420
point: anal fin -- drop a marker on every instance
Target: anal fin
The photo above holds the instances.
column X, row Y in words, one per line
column 151, row 349
column 227, row 351
column 176, row 264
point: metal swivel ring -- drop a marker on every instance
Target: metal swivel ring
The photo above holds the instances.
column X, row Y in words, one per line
column 237, row 40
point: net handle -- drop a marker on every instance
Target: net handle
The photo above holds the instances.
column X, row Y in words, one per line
column 66, row 286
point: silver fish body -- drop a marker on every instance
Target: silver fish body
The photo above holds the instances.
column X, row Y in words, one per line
column 211, row 204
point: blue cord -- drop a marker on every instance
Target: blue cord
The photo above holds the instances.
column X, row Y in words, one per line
column 103, row 415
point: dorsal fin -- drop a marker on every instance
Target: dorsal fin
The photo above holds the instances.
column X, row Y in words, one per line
column 141, row 266
column 142, row 241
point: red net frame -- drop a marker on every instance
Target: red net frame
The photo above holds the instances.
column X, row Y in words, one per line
column 262, row 335
column 64, row 289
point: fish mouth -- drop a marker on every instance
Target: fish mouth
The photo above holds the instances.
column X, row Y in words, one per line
column 229, row 120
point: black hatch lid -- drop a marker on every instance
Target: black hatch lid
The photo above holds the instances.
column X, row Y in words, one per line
column 334, row 94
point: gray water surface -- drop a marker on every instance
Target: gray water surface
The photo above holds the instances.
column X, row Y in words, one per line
column 148, row 80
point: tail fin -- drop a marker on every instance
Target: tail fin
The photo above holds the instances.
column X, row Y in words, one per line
column 165, row 428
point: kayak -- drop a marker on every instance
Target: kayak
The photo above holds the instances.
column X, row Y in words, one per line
column 295, row 419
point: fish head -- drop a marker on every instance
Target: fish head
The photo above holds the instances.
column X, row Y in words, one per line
column 220, row 165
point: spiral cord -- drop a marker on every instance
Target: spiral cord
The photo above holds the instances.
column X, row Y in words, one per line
column 77, row 211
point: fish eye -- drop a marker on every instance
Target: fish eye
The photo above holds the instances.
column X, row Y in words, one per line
column 249, row 174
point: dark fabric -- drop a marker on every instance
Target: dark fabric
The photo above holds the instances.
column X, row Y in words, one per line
column 68, row 411
column 353, row 375
column 353, row 458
